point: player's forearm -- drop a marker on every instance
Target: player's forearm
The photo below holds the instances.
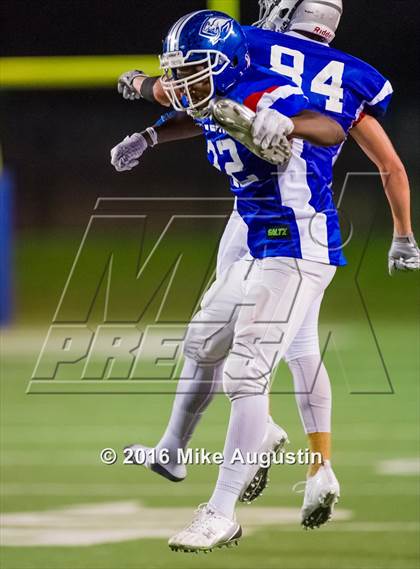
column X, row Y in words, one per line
column 397, row 190
column 179, row 127
column 317, row 129
column 150, row 88
column 375, row 143
column 126, row 155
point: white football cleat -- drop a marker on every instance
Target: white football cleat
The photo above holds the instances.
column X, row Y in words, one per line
column 322, row 492
column 274, row 441
column 208, row 530
column 171, row 471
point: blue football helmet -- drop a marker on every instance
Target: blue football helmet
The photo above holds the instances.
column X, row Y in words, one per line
column 214, row 47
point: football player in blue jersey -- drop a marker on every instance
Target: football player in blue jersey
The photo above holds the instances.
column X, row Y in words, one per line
column 253, row 311
column 206, row 54
column 315, row 20
column 317, row 424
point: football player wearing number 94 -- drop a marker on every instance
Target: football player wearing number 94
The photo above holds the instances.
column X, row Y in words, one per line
column 311, row 21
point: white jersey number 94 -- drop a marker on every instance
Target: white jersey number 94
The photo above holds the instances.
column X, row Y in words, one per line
column 328, row 82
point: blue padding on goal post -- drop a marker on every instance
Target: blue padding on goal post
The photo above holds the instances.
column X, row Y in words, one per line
column 6, row 207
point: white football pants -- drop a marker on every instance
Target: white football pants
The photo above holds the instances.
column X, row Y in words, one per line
column 312, row 385
column 311, row 382
column 210, row 338
column 267, row 301
column 261, row 305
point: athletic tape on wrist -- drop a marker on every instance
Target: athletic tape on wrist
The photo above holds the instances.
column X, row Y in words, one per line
column 146, row 89
column 152, row 135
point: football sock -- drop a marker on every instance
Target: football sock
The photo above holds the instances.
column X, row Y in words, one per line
column 195, row 391
column 313, row 395
column 320, row 443
column 247, row 426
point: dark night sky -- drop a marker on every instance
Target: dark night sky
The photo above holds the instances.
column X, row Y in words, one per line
column 68, row 133
column 383, row 32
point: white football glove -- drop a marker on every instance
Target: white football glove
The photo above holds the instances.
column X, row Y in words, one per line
column 237, row 120
column 269, row 127
column 404, row 254
column 125, row 84
column 125, row 156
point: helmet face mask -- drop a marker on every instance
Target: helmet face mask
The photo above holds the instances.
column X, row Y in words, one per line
column 181, row 90
column 265, row 9
column 205, row 54
column 275, row 15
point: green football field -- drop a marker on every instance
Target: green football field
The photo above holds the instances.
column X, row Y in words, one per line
column 64, row 509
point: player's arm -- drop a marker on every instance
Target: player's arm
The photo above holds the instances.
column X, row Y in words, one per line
column 283, row 110
column 375, row 143
column 270, row 124
column 137, row 85
column 175, row 126
column 317, row 129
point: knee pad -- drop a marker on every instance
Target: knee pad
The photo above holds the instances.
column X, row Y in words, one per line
column 246, row 372
column 207, row 343
column 210, row 333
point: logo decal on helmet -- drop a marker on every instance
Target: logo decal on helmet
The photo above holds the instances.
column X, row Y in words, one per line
column 325, row 33
column 216, row 29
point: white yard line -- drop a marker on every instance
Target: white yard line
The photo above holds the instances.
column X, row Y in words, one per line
column 399, row 467
column 114, row 522
column 187, row 489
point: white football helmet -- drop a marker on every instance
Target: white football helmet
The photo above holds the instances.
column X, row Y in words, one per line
column 318, row 17
column 275, row 14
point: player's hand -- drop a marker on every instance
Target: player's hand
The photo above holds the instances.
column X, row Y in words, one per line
column 125, row 84
column 269, row 127
column 404, row 255
column 125, row 156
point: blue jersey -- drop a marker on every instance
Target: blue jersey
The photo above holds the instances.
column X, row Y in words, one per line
column 337, row 84
column 285, row 217
column 290, row 210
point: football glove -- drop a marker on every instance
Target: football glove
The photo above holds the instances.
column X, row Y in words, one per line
column 269, row 127
column 125, row 84
column 238, row 120
column 404, row 254
column 125, row 156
